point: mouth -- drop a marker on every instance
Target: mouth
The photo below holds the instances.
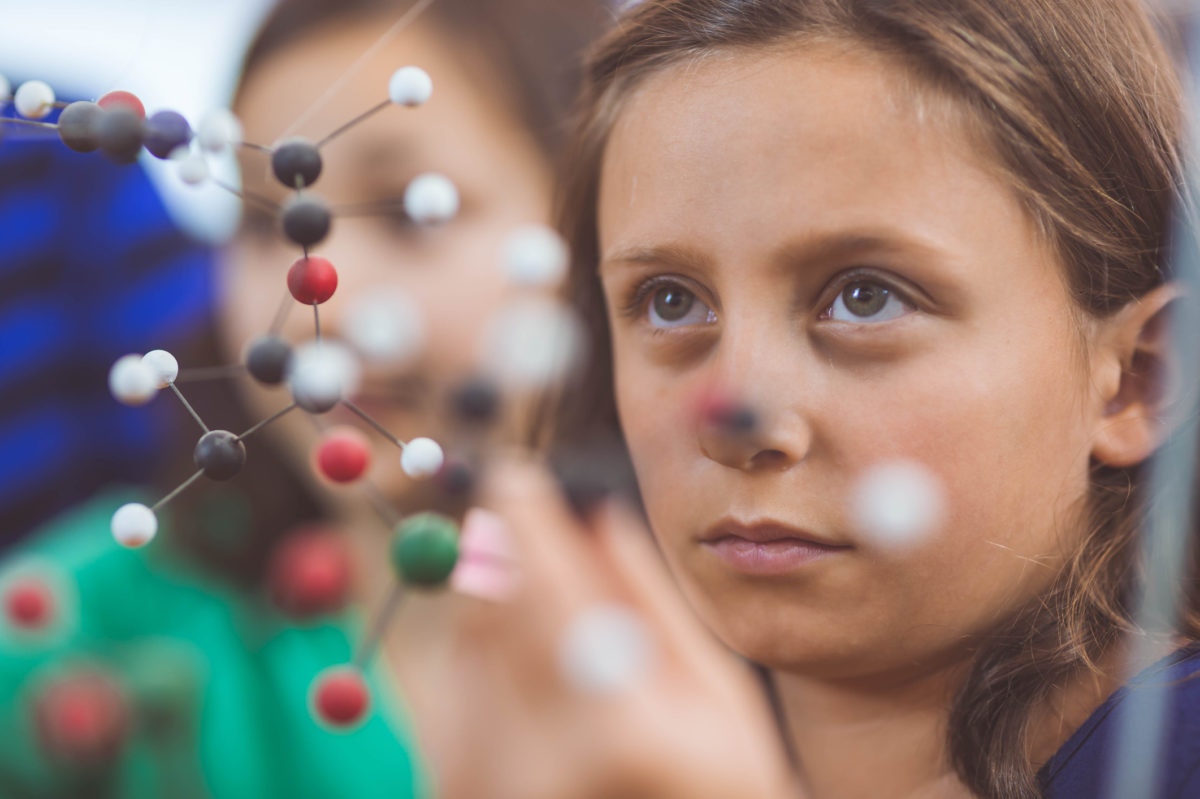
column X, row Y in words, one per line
column 767, row 547
column 405, row 391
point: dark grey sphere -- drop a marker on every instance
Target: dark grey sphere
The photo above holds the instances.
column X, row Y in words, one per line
column 296, row 163
column 120, row 133
column 306, row 220
column 476, row 400
column 77, row 126
column 267, row 359
column 220, row 454
column 165, row 132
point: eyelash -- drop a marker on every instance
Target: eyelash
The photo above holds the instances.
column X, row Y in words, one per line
column 634, row 306
column 864, row 276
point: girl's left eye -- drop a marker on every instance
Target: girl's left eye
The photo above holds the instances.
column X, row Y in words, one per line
column 867, row 301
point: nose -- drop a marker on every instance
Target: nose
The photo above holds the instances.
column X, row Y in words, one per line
column 752, row 416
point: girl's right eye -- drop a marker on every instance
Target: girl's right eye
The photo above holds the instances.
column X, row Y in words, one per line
column 672, row 305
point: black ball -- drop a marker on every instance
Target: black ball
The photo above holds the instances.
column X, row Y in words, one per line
column 476, row 400
column 77, row 126
column 165, row 132
column 306, row 220
column 591, row 474
column 739, row 421
column 296, row 163
column 456, row 478
column 120, row 134
column 267, row 359
column 220, row 454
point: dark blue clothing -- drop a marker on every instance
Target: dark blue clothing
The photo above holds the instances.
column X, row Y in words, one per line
column 91, row 268
column 1082, row 768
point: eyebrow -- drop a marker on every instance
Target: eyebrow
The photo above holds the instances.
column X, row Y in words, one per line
column 849, row 244
column 809, row 249
column 669, row 254
column 395, row 151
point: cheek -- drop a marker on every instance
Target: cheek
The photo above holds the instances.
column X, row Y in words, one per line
column 251, row 286
column 1007, row 440
column 657, row 422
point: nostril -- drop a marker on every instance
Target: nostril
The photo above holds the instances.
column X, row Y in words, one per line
column 769, row 459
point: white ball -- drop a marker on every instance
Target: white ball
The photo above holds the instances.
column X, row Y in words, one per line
column 410, row 86
column 535, row 256
column 384, row 326
column 164, row 365
column 132, row 381
column 605, row 649
column 218, row 131
column 192, row 168
column 534, row 342
column 431, row 199
column 34, row 99
column 5, row 89
column 323, row 372
column 134, row 525
column 422, row 457
column 897, row 504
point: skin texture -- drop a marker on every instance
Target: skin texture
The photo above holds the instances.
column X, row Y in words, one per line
column 979, row 375
column 466, row 132
column 767, row 186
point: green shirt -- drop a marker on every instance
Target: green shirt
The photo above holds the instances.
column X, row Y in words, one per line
column 228, row 675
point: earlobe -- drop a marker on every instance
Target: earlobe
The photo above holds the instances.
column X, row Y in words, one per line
column 1138, row 376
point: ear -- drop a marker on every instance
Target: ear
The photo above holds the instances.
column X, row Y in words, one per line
column 1137, row 373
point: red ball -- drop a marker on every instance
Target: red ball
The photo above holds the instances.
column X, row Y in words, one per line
column 310, row 574
column 312, row 280
column 720, row 410
column 29, row 604
column 341, row 698
column 343, row 455
column 82, row 719
column 123, row 100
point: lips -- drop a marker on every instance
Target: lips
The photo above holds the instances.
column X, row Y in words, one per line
column 407, row 391
column 767, row 547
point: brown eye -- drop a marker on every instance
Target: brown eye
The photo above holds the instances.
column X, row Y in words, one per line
column 865, row 299
column 672, row 303
column 868, row 301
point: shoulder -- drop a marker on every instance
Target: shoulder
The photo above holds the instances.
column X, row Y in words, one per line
column 1084, row 766
column 189, row 675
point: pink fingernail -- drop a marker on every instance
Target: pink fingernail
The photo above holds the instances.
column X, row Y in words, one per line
column 486, row 567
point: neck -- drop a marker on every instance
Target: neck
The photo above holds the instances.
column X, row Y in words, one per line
column 861, row 739
column 876, row 738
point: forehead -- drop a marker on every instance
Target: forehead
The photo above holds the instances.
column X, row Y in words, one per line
column 467, row 126
column 812, row 135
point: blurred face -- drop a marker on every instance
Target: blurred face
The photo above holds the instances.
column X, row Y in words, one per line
column 451, row 273
column 799, row 229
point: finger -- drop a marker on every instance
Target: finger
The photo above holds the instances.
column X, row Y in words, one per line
column 487, row 565
column 551, row 546
column 643, row 578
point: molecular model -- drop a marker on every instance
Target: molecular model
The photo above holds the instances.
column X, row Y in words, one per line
column 532, row 344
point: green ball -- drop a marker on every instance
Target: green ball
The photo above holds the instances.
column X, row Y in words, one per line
column 425, row 549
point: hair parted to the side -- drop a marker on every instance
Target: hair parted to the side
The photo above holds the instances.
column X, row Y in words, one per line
column 1080, row 104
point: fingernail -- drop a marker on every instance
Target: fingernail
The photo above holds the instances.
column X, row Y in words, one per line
column 486, row 558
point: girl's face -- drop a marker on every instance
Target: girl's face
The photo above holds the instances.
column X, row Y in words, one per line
column 451, row 273
column 801, row 228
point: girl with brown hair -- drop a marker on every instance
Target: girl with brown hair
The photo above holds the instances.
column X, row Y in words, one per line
column 921, row 232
